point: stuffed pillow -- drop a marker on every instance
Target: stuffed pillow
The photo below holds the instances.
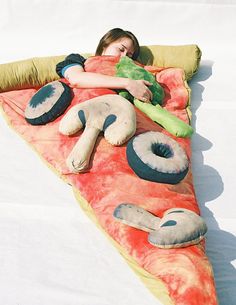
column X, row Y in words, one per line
column 48, row 103
column 126, row 67
column 38, row 71
column 177, row 228
column 186, row 57
column 110, row 113
column 166, row 119
column 156, row 157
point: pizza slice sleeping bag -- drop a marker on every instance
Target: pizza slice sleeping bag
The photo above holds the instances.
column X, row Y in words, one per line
column 131, row 175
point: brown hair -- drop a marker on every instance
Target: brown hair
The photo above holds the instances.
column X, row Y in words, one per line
column 114, row 35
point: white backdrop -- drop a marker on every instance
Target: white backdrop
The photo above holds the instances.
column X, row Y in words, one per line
column 50, row 252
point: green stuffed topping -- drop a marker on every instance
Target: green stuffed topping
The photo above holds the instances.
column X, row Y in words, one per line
column 127, row 68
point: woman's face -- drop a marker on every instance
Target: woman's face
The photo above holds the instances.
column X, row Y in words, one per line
column 122, row 47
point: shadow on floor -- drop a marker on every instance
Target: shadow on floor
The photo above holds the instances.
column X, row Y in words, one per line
column 220, row 245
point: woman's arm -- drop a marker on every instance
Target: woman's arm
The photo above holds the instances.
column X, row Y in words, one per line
column 78, row 78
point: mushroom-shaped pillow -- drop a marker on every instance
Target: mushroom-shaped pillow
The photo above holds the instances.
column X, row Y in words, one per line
column 177, row 228
column 110, row 113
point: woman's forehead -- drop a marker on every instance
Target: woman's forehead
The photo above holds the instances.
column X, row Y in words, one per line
column 126, row 42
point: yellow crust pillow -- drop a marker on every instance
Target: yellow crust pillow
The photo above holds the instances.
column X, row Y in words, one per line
column 38, row 71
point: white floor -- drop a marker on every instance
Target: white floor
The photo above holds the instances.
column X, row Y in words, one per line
column 50, row 252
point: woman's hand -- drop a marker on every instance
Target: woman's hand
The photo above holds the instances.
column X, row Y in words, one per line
column 139, row 89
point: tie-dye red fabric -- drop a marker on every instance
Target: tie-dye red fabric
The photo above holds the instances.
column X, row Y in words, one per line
column 186, row 272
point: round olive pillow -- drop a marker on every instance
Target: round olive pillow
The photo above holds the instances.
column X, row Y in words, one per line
column 48, row 103
column 156, row 157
